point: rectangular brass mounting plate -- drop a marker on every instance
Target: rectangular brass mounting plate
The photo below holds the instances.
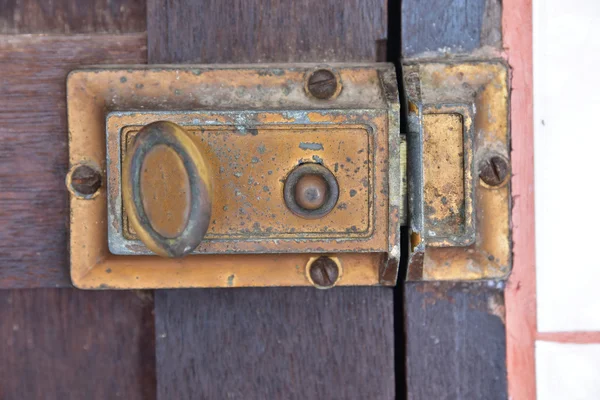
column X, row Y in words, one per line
column 250, row 169
column 256, row 122
column 458, row 116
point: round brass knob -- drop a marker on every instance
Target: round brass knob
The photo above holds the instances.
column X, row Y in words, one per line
column 167, row 189
column 311, row 192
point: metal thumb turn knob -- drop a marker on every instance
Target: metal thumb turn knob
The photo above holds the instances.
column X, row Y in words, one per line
column 167, row 189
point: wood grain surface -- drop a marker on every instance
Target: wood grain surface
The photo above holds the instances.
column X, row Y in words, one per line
column 58, row 343
column 456, row 343
column 293, row 343
column 438, row 27
column 33, row 153
column 284, row 343
column 71, row 344
column 241, row 31
column 72, row 16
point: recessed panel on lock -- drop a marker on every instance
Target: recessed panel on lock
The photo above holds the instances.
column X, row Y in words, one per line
column 235, row 176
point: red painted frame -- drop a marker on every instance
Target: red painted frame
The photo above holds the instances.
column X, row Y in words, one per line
column 520, row 295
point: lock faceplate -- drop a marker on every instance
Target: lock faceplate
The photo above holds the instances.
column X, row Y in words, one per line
column 255, row 125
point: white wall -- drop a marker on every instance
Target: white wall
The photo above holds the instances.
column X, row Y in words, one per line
column 566, row 67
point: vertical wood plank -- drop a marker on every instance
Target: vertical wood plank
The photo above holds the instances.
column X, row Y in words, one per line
column 280, row 343
column 438, row 27
column 295, row 343
column 71, row 344
column 58, row 343
column 456, row 341
column 455, row 332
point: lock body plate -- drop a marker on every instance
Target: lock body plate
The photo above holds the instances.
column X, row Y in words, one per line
column 255, row 124
column 250, row 154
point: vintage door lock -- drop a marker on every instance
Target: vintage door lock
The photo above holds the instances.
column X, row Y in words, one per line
column 262, row 175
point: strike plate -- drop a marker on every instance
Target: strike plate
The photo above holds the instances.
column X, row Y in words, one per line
column 254, row 125
column 459, row 171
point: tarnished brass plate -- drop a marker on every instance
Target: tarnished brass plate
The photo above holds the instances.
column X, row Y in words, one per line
column 458, row 119
column 254, row 124
column 250, row 166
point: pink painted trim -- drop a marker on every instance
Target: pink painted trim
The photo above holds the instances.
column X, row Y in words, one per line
column 521, row 325
column 570, row 337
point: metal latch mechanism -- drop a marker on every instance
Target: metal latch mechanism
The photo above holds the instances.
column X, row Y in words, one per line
column 235, row 176
column 262, row 175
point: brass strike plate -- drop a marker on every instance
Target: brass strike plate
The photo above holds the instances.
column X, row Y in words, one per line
column 459, row 171
column 251, row 127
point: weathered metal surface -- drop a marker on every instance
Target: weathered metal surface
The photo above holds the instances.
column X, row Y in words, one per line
column 251, row 168
column 254, row 124
column 447, row 175
column 167, row 189
column 311, row 191
column 458, row 118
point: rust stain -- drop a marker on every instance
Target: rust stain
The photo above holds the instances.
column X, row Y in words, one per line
column 444, row 175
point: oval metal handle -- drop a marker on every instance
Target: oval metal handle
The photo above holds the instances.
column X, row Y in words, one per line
column 167, row 189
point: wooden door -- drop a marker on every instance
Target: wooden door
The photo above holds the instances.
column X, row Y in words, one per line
column 426, row 340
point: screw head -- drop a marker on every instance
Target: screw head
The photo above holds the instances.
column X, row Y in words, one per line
column 311, row 192
column 324, row 272
column 85, row 181
column 494, row 170
column 322, row 84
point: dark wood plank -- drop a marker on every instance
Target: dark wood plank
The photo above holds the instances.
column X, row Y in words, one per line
column 238, row 31
column 456, row 342
column 437, row 27
column 296, row 343
column 70, row 344
column 33, row 154
column 454, row 332
column 72, row 16
column 286, row 343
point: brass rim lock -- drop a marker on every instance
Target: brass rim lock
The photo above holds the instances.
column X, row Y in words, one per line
column 279, row 175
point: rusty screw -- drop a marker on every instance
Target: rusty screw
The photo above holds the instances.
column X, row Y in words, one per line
column 85, row 181
column 324, row 272
column 493, row 171
column 322, row 84
column 311, row 192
